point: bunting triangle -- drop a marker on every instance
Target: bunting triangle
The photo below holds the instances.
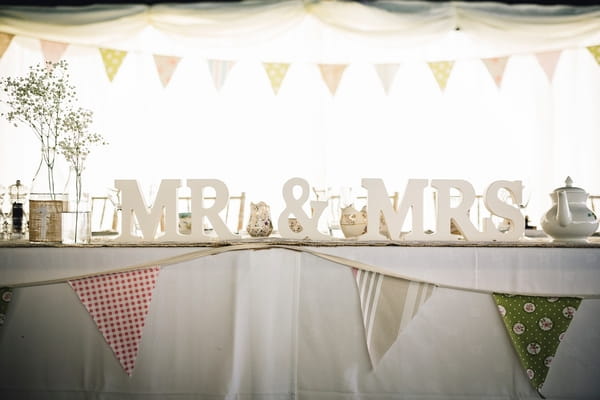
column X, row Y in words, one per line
column 595, row 51
column 536, row 326
column 119, row 303
column 548, row 61
column 165, row 66
column 332, row 74
column 5, row 298
column 112, row 61
column 276, row 73
column 496, row 67
column 386, row 73
column 388, row 305
column 5, row 39
column 53, row 51
column 441, row 71
column 219, row 70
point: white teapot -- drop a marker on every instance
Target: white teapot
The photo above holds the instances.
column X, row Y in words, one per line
column 569, row 219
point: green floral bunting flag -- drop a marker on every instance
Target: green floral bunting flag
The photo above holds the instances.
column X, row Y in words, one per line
column 536, row 326
column 5, row 298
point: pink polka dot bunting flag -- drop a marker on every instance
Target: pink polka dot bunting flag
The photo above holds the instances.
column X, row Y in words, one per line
column 119, row 303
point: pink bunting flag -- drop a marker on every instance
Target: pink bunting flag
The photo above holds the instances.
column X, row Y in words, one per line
column 219, row 70
column 165, row 66
column 386, row 73
column 496, row 67
column 5, row 39
column 53, row 51
column 388, row 305
column 548, row 61
column 332, row 74
column 119, row 303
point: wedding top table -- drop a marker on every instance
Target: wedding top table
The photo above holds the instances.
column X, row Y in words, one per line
column 283, row 321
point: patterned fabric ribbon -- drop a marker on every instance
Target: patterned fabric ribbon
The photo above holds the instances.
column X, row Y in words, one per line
column 5, row 298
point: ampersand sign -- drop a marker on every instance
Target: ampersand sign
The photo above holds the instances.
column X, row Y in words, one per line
column 294, row 207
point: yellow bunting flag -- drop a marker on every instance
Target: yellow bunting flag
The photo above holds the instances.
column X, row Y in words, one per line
column 595, row 50
column 441, row 71
column 386, row 73
column 276, row 73
column 165, row 66
column 112, row 61
column 332, row 74
column 5, row 39
column 496, row 67
column 548, row 61
column 388, row 305
column 53, row 51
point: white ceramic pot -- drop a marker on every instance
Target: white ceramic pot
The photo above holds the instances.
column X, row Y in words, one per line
column 569, row 218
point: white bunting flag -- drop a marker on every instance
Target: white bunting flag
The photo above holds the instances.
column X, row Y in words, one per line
column 219, row 70
column 388, row 304
column 386, row 73
column 119, row 303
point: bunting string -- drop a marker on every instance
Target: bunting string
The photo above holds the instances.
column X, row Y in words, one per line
column 331, row 74
column 265, row 246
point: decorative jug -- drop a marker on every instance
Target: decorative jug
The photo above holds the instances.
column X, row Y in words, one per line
column 259, row 224
column 353, row 222
column 569, row 219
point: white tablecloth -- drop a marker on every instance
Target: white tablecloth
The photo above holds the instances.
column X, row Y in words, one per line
column 274, row 324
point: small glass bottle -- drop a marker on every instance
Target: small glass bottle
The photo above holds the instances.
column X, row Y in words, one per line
column 17, row 194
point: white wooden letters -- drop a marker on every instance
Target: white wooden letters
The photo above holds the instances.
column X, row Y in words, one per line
column 159, row 222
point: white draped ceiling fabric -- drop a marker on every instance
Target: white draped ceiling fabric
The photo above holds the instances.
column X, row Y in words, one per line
column 531, row 127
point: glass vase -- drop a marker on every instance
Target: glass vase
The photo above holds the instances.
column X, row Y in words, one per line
column 47, row 200
column 76, row 224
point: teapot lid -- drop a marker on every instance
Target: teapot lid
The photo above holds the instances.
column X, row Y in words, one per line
column 569, row 187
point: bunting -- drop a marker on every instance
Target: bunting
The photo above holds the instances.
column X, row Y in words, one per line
column 165, row 66
column 595, row 51
column 53, row 51
column 5, row 298
column 496, row 67
column 441, row 71
column 276, row 73
column 112, row 61
column 388, row 304
column 386, row 73
column 536, row 326
column 219, row 70
column 548, row 61
column 332, row 74
column 119, row 303
column 5, row 39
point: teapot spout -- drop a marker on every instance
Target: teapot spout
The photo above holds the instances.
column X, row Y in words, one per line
column 563, row 214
